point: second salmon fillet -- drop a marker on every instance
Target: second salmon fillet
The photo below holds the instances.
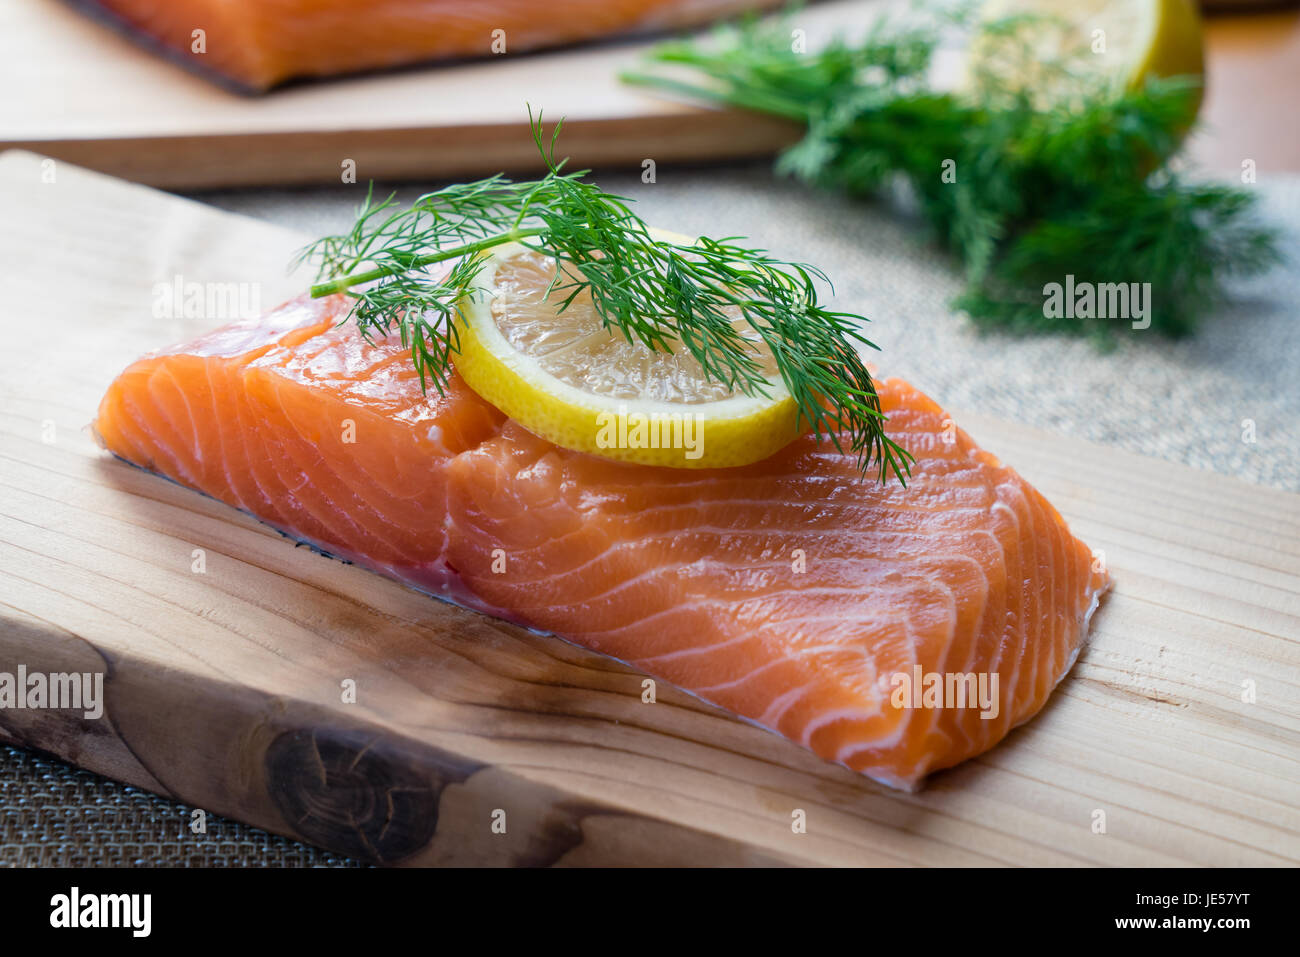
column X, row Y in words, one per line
column 259, row 44
column 791, row 592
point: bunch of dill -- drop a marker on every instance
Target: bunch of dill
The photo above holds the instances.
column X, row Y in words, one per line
column 1024, row 192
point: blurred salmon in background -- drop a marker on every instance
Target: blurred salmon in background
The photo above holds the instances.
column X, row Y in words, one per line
column 259, row 44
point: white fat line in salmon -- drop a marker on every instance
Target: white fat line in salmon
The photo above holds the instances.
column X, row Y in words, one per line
column 58, row 690
column 651, row 430
column 932, row 689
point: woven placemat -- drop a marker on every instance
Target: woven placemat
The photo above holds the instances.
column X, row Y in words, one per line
column 1184, row 401
column 55, row 815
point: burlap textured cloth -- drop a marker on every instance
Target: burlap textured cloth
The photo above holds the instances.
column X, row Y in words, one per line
column 1196, row 402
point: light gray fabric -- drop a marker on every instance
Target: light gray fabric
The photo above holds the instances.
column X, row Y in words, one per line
column 1181, row 401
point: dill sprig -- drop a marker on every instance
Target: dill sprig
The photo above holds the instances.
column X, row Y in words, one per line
column 1078, row 183
column 410, row 268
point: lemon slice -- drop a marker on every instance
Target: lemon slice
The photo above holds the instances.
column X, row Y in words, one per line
column 564, row 377
column 1062, row 48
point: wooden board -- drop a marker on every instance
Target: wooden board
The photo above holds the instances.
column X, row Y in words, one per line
column 223, row 688
column 81, row 91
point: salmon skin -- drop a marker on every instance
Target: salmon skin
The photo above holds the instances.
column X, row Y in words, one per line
column 792, row 592
column 259, row 44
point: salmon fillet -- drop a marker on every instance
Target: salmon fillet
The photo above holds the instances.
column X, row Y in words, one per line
column 261, row 43
column 791, row 592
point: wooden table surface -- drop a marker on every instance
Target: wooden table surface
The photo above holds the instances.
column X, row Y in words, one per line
column 1252, row 92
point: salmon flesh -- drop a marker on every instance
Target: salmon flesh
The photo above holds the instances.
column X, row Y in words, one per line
column 259, row 44
column 894, row 630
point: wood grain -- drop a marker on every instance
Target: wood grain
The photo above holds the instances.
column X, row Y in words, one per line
column 80, row 91
column 223, row 688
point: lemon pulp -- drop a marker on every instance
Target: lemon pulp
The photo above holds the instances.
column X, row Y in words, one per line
column 1065, row 48
column 564, row 376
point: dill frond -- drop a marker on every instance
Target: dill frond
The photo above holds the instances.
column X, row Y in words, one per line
column 408, row 269
column 1078, row 185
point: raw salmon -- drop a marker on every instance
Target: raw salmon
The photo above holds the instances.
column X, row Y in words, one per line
column 791, row 592
column 261, row 43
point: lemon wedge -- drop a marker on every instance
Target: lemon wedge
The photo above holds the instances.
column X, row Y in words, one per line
column 565, row 377
column 1115, row 44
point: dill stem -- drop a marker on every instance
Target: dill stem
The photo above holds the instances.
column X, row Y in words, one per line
column 343, row 283
column 746, row 99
